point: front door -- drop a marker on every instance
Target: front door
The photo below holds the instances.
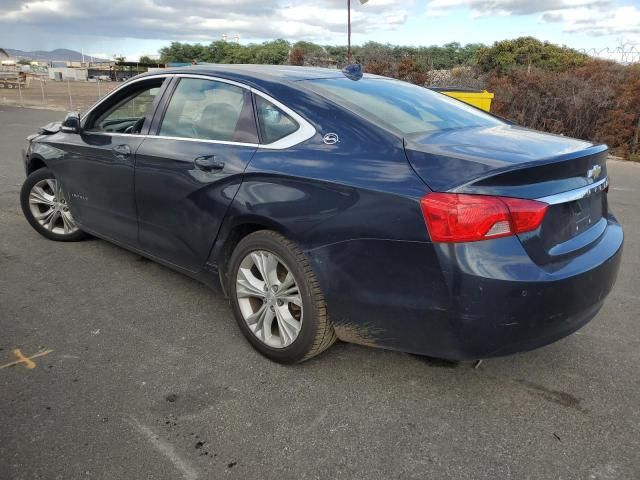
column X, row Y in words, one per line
column 189, row 172
column 98, row 164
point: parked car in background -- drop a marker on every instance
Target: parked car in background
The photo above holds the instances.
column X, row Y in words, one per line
column 338, row 206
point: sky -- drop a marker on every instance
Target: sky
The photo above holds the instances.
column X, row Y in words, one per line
column 105, row 28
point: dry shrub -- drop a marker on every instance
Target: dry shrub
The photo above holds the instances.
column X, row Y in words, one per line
column 296, row 56
column 410, row 71
column 379, row 67
column 599, row 101
column 459, row 77
column 406, row 68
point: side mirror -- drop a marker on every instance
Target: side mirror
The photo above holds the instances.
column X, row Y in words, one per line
column 71, row 123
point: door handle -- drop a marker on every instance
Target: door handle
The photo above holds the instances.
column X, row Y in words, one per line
column 208, row 163
column 121, row 151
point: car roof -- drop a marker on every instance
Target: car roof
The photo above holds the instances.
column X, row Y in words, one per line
column 257, row 73
column 281, row 82
column 260, row 76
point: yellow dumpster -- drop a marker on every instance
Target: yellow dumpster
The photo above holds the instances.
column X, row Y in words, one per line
column 478, row 98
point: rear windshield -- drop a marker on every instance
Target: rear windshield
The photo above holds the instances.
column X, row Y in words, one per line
column 401, row 106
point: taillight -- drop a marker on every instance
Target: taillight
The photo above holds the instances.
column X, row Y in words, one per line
column 457, row 217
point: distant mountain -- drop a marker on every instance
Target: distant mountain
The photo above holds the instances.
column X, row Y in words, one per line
column 57, row 55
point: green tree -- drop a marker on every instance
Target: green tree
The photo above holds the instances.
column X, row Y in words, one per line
column 146, row 59
column 301, row 50
column 236, row 53
column 214, row 52
column 380, row 57
column 273, row 53
column 309, row 48
column 182, row 52
column 528, row 52
column 338, row 53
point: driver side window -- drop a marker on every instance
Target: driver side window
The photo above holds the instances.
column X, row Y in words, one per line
column 128, row 114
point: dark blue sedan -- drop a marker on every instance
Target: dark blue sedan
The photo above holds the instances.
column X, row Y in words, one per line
column 334, row 205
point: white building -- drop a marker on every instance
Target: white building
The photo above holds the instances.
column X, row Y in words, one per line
column 61, row 74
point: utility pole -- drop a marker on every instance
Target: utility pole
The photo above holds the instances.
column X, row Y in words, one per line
column 349, row 31
column 362, row 2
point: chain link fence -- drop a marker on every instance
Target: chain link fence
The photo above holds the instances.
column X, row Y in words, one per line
column 57, row 95
column 625, row 54
column 80, row 95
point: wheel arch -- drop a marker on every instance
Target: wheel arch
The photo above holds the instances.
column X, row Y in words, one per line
column 36, row 162
column 231, row 233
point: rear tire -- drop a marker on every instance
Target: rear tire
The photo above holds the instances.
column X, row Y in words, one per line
column 276, row 299
column 45, row 207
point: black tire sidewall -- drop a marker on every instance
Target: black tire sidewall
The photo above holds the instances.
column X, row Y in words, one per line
column 32, row 179
column 305, row 340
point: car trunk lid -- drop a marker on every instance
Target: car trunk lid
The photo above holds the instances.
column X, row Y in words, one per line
column 568, row 174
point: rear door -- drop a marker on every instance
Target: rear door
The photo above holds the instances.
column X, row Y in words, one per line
column 190, row 167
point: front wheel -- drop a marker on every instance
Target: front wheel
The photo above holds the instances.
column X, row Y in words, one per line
column 45, row 207
column 277, row 300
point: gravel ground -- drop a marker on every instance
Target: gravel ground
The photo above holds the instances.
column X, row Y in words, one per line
column 149, row 378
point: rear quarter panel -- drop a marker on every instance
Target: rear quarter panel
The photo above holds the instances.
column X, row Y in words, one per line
column 352, row 207
column 361, row 187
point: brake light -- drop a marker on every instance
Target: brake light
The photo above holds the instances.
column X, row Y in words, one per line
column 457, row 217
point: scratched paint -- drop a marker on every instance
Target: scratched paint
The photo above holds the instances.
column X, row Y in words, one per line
column 24, row 360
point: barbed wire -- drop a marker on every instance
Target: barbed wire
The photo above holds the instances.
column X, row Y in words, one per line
column 625, row 54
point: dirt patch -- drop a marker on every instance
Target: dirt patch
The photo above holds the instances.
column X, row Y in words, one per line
column 556, row 396
column 172, row 397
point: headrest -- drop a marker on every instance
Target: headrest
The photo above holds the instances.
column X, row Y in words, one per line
column 218, row 121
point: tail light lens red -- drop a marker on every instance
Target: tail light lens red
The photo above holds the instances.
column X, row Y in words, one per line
column 457, row 217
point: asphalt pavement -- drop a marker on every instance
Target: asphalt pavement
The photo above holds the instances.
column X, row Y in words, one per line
column 143, row 374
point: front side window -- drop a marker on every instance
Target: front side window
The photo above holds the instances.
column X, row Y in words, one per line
column 128, row 113
column 209, row 110
column 401, row 106
column 274, row 123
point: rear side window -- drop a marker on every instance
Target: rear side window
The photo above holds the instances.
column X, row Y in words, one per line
column 209, row 110
column 274, row 123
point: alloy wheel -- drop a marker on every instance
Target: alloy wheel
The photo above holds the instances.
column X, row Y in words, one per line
column 269, row 299
column 49, row 207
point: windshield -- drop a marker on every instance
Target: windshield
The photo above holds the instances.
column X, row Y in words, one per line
column 401, row 106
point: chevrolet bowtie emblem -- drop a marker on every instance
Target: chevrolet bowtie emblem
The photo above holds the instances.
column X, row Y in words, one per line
column 594, row 172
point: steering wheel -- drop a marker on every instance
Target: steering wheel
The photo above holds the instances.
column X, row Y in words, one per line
column 136, row 127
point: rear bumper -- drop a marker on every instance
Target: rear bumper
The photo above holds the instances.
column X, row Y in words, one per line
column 462, row 301
column 500, row 317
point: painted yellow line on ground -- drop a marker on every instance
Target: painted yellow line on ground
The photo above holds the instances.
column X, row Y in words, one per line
column 28, row 361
